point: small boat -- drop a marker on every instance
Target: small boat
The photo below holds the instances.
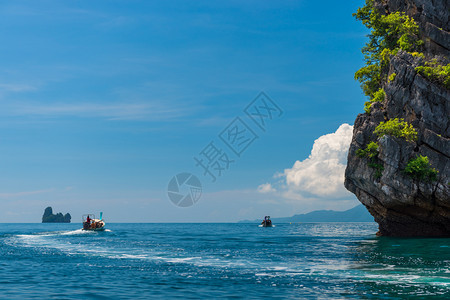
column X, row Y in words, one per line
column 267, row 222
column 93, row 224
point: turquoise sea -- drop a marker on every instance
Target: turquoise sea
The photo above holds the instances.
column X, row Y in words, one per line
column 192, row 261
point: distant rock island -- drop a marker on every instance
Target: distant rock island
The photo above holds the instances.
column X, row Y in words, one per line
column 49, row 217
column 357, row 214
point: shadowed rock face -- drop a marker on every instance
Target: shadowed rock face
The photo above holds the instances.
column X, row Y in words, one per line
column 403, row 206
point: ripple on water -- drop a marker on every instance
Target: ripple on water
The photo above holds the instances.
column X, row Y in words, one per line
column 221, row 260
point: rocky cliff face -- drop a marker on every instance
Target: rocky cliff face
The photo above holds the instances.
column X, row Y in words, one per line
column 432, row 17
column 401, row 205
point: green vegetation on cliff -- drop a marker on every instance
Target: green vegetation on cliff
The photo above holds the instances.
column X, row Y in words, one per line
column 435, row 72
column 388, row 34
column 394, row 127
column 378, row 96
column 420, row 169
column 392, row 77
column 371, row 152
column 398, row 128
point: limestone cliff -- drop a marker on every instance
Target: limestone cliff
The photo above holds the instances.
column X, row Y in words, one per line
column 402, row 205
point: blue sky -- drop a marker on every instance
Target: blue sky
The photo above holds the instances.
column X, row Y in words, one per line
column 102, row 102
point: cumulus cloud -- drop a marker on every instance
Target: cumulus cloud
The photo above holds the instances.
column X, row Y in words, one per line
column 322, row 173
column 266, row 188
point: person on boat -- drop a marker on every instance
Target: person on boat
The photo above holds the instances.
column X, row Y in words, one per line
column 87, row 224
column 264, row 222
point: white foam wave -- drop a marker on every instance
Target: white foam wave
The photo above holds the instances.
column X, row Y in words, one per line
column 181, row 259
column 261, row 268
column 67, row 245
column 73, row 232
column 48, row 241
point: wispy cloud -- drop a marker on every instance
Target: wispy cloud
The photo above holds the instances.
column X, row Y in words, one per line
column 266, row 188
column 115, row 22
column 24, row 193
column 15, row 87
column 109, row 111
column 29, row 10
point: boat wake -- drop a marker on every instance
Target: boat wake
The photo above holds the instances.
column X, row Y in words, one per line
column 72, row 243
column 74, row 232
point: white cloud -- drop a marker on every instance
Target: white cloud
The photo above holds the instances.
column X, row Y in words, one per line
column 316, row 182
column 266, row 188
column 322, row 173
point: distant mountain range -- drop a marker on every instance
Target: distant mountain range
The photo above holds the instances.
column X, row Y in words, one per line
column 356, row 214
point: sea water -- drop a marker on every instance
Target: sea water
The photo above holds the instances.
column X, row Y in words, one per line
column 191, row 261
